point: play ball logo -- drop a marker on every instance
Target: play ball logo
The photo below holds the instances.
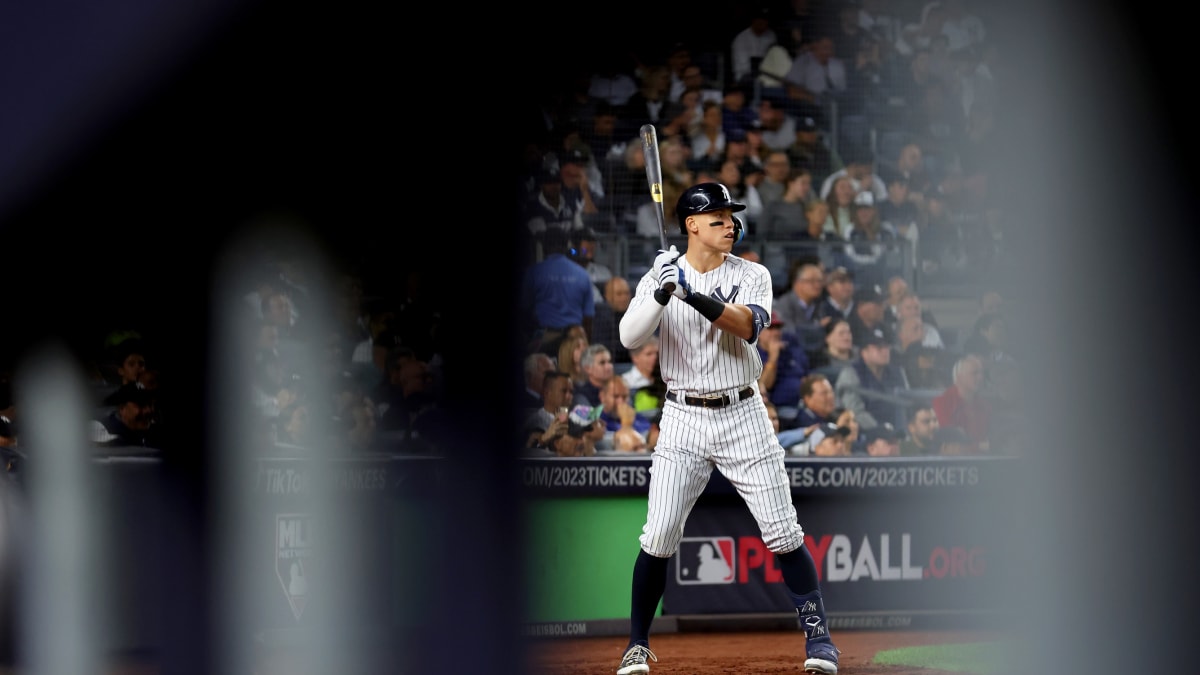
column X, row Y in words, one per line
column 705, row 560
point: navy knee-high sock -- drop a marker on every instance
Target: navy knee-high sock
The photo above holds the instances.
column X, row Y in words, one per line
column 649, row 582
column 800, row 576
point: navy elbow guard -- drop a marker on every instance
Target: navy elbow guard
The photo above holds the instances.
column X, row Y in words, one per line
column 708, row 308
column 761, row 320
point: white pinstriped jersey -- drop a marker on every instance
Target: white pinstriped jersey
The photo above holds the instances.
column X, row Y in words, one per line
column 695, row 356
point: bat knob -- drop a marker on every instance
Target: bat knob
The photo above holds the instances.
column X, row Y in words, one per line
column 670, row 288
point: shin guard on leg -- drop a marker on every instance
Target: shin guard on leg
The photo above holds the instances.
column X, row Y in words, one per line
column 810, row 610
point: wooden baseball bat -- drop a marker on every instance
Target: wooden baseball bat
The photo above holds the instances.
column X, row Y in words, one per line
column 654, row 180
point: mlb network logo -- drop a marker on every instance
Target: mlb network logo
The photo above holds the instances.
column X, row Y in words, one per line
column 705, row 560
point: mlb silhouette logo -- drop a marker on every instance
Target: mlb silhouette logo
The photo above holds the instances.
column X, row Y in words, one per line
column 705, row 560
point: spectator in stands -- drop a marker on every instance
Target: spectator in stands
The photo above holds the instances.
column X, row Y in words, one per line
column 360, row 434
column 584, row 246
column 617, row 295
column 869, row 385
column 729, row 175
column 736, row 115
column 556, row 293
column 896, row 287
column 910, row 164
column 900, row 214
column 534, row 369
column 816, row 80
column 939, row 124
column 922, row 428
column 737, row 151
column 808, row 149
column 618, row 413
column 597, row 367
column 866, row 319
column 644, row 358
column 549, row 208
column 799, row 307
column 129, row 360
column 922, row 365
column 580, row 189
column 648, row 400
column 872, row 249
column 679, row 64
column 961, row 404
column 778, row 128
column 750, row 44
column 708, row 143
column 860, row 169
column 294, row 427
column 909, row 306
column 818, row 403
column 291, row 345
column 570, row 357
column 777, row 167
column 838, row 351
column 829, row 440
column 882, row 441
column 825, row 241
column 272, row 388
column 989, row 339
column 130, row 422
column 540, row 427
column 413, row 396
column 784, row 218
column 682, row 118
column 839, row 293
column 648, row 104
column 605, row 140
column 784, row 366
column 841, row 204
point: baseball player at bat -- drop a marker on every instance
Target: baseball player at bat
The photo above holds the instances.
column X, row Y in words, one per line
column 713, row 415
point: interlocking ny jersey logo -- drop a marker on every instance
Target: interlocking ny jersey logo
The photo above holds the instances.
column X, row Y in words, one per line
column 705, row 560
column 720, row 296
column 292, row 550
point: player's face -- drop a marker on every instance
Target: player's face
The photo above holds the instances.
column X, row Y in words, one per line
column 715, row 229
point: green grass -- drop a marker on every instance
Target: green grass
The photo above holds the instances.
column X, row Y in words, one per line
column 970, row 657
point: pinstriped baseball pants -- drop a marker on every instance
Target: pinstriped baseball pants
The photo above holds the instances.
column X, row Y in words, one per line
column 739, row 440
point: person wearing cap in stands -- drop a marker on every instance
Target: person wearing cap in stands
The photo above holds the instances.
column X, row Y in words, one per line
column 870, row 241
column 828, row 440
column 839, row 292
column 867, row 316
column 130, row 422
column 868, row 385
column 883, row 441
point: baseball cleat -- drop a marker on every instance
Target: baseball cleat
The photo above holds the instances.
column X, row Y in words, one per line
column 635, row 658
column 822, row 659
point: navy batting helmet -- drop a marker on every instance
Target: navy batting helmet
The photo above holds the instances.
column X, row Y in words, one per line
column 702, row 198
